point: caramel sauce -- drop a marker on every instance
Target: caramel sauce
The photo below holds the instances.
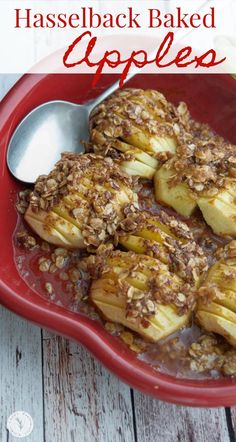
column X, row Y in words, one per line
column 168, row 355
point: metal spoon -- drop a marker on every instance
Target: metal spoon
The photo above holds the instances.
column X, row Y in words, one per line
column 54, row 127
column 48, row 130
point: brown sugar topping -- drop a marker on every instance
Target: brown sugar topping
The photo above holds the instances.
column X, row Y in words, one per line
column 99, row 189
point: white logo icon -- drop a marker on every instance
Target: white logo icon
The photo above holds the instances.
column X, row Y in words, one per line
column 20, row 424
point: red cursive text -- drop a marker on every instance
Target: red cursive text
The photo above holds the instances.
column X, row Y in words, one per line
column 139, row 59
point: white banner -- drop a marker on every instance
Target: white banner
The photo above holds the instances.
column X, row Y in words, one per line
column 118, row 36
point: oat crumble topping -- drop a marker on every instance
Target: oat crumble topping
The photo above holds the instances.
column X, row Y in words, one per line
column 163, row 287
column 203, row 160
column 210, row 353
column 206, row 162
column 185, row 257
column 129, row 110
column 26, row 240
column 99, row 190
column 23, row 201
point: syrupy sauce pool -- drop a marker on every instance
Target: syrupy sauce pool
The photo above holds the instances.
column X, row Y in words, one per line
column 68, row 287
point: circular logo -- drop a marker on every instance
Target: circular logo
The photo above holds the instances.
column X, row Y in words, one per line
column 20, row 424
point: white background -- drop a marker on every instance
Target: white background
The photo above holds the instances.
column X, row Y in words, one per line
column 20, row 49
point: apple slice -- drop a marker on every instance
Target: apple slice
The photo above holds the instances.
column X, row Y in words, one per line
column 140, row 124
column 177, row 196
column 219, row 315
column 219, row 211
column 218, row 324
column 151, row 319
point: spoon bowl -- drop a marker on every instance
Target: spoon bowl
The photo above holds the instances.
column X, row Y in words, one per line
column 52, row 128
column 41, row 137
column 47, row 131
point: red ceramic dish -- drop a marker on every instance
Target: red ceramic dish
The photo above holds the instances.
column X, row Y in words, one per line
column 212, row 99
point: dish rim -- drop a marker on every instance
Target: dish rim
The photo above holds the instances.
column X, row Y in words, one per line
column 113, row 355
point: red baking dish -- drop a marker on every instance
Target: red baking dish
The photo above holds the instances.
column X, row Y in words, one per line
column 212, row 99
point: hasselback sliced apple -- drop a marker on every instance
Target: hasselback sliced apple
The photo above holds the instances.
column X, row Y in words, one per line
column 217, row 306
column 166, row 238
column 219, row 209
column 140, row 293
column 140, row 127
column 203, row 174
column 177, row 195
column 81, row 202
